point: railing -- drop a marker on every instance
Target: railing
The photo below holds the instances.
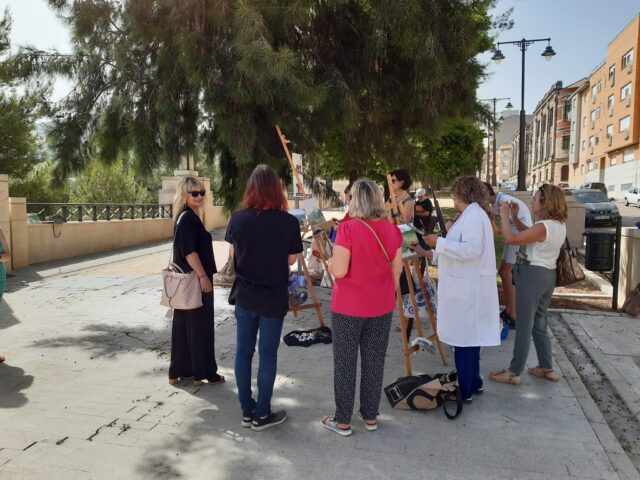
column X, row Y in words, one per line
column 87, row 212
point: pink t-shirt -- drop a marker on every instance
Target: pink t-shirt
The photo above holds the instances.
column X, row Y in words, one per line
column 367, row 290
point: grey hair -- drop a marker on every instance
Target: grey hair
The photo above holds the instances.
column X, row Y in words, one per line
column 366, row 200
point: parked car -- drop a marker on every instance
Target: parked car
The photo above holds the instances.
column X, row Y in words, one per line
column 632, row 197
column 508, row 186
column 598, row 210
column 596, row 186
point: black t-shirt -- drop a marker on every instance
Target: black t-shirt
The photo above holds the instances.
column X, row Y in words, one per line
column 191, row 236
column 262, row 242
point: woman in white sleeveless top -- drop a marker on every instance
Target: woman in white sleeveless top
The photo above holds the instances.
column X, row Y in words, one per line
column 534, row 275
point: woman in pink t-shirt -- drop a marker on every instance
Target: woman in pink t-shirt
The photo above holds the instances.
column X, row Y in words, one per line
column 367, row 261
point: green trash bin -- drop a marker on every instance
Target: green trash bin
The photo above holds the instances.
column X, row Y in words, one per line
column 599, row 251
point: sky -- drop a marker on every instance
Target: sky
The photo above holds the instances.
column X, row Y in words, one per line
column 579, row 29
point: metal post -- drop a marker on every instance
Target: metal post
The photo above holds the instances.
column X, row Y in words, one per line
column 494, row 180
column 616, row 265
column 522, row 165
column 488, row 145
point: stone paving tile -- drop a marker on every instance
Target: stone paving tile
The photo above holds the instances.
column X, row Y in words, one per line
column 101, row 359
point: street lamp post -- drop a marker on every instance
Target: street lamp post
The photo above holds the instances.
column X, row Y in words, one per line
column 498, row 57
column 494, row 180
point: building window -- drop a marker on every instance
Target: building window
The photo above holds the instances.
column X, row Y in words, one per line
column 613, row 160
column 573, row 126
column 591, row 141
column 624, row 123
column 593, row 93
column 610, row 102
column 592, row 165
column 627, row 59
column 598, row 112
column 625, row 91
column 572, row 148
column 609, row 131
column 612, row 75
column 599, row 85
column 611, row 188
column 626, row 186
column 565, row 142
column 583, row 145
column 566, row 114
column 593, row 118
column 628, row 155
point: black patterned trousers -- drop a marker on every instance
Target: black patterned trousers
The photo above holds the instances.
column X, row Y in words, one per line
column 370, row 336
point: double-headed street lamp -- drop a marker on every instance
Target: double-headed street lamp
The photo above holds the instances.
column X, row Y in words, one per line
column 508, row 107
column 498, row 57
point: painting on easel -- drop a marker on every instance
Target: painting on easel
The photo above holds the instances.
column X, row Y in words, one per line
column 409, row 237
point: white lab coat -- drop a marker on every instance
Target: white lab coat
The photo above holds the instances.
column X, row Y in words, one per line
column 468, row 311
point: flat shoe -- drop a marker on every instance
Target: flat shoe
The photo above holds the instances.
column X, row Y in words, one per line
column 199, row 383
column 330, row 422
column 544, row 373
column 369, row 427
column 505, row 376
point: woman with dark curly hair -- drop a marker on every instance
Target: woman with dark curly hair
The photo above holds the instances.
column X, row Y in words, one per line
column 468, row 314
column 535, row 277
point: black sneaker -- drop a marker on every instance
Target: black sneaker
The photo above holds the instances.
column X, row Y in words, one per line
column 246, row 420
column 271, row 420
column 508, row 319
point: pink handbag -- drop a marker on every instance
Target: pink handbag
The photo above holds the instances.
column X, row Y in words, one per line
column 180, row 290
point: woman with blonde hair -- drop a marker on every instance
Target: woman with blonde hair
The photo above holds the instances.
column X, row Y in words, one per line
column 192, row 332
column 366, row 262
column 534, row 275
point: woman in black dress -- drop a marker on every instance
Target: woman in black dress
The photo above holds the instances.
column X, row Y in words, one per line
column 192, row 334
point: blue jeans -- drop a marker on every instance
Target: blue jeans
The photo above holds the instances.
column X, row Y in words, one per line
column 248, row 326
column 468, row 366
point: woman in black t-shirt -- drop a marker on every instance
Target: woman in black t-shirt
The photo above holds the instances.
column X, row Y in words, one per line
column 192, row 334
column 265, row 240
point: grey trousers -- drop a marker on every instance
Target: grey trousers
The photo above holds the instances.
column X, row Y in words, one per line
column 534, row 286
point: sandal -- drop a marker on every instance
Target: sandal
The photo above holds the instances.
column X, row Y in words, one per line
column 1, row 359
column 505, row 376
column 213, row 381
column 545, row 373
column 329, row 422
column 368, row 426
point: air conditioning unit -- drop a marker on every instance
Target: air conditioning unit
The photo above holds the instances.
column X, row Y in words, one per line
column 630, row 67
column 627, row 101
column 611, row 112
column 625, row 133
column 610, row 139
column 593, row 124
column 591, row 149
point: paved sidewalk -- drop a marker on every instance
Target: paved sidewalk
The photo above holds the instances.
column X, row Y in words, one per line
column 84, row 394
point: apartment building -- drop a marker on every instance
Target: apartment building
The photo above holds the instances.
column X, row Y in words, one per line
column 611, row 109
column 551, row 135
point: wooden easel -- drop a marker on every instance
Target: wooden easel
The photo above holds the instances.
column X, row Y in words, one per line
column 406, row 263
column 301, row 261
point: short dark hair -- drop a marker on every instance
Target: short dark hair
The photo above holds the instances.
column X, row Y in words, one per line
column 490, row 188
column 403, row 176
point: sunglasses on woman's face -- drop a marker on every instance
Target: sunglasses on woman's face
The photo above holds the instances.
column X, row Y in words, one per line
column 198, row 192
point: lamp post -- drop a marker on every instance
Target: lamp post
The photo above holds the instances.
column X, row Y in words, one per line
column 498, row 57
column 494, row 180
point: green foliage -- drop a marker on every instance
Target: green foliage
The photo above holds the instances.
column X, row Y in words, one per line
column 109, row 183
column 18, row 145
column 457, row 151
column 36, row 186
column 352, row 82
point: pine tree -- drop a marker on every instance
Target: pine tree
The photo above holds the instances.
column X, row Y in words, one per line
column 353, row 82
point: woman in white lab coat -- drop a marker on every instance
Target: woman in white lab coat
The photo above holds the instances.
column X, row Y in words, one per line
column 468, row 313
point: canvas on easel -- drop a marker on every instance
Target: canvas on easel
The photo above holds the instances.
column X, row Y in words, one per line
column 302, row 264
column 409, row 258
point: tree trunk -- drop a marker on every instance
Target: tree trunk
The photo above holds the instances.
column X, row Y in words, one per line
column 226, row 276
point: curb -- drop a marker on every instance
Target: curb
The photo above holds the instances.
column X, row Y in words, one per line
column 629, row 397
column 617, row 456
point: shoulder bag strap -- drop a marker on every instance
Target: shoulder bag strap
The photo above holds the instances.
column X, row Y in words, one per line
column 386, row 255
column 171, row 259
